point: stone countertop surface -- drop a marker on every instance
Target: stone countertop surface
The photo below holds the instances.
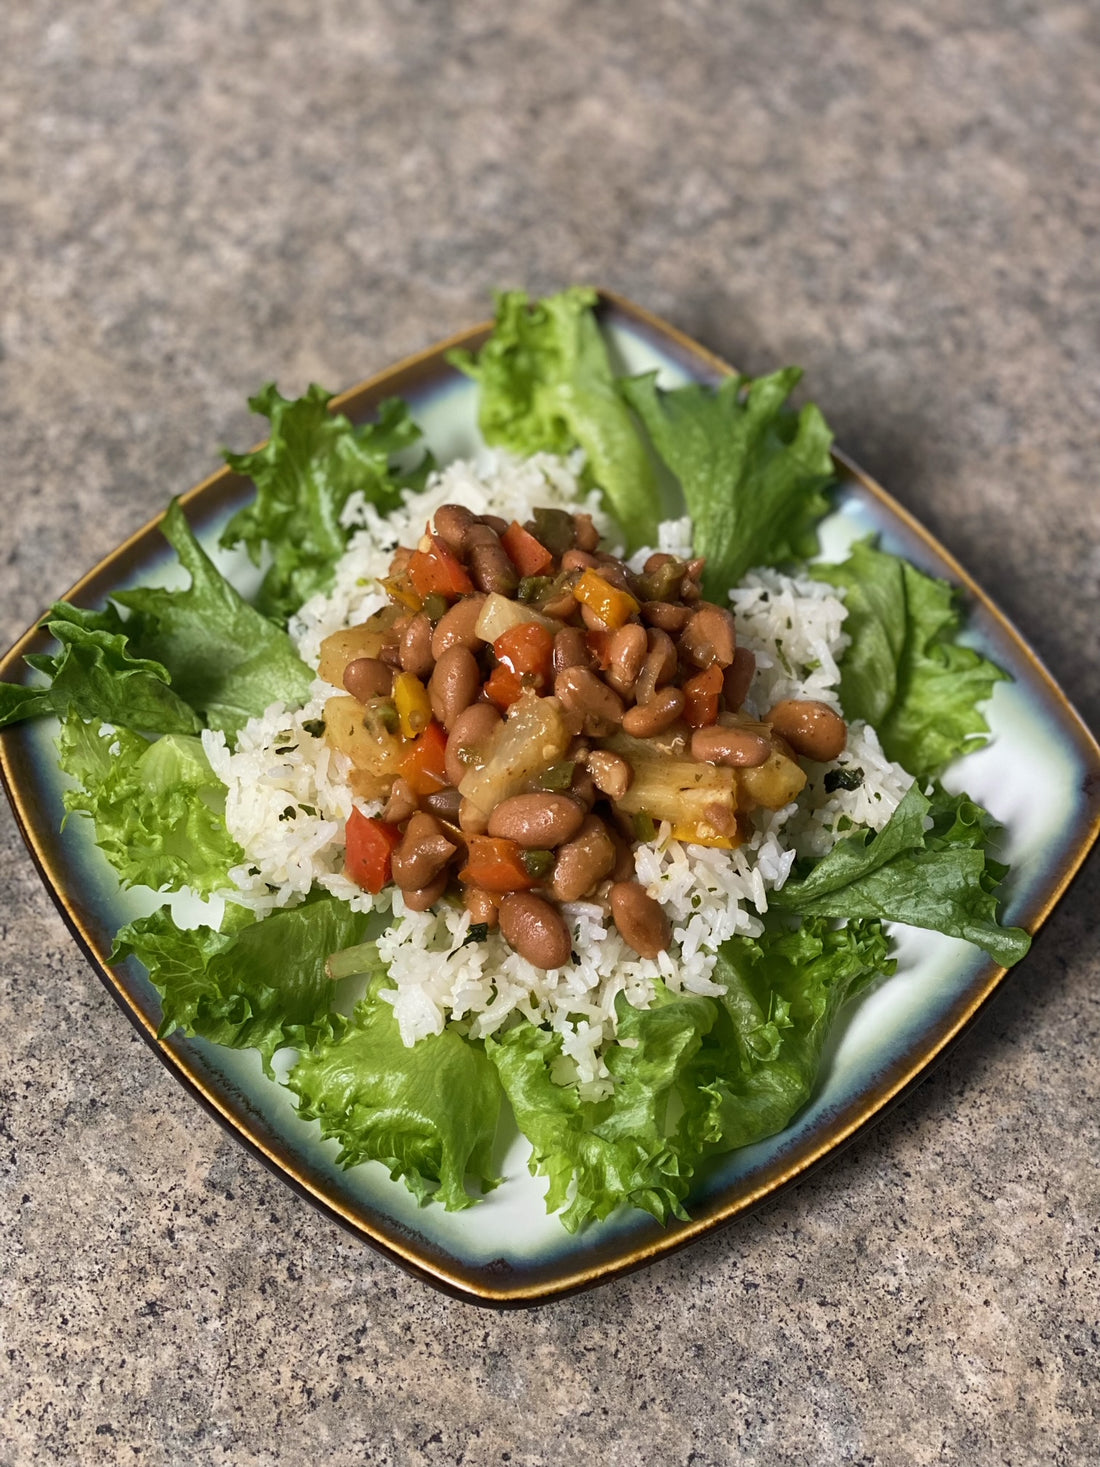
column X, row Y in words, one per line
column 903, row 198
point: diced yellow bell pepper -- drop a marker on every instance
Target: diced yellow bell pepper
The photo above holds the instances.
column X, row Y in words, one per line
column 401, row 590
column 414, row 711
column 703, row 835
column 613, row 607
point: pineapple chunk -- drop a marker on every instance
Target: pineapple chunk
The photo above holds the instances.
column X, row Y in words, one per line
column 364, row 640
column 363, row 734
column 533, row 737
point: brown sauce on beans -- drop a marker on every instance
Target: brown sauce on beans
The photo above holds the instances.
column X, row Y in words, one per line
column 643, row 683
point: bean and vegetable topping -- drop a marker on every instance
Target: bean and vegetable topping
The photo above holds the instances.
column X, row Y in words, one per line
column 528, row 709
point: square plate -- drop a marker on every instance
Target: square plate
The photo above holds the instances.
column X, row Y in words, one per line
column 1040, row 776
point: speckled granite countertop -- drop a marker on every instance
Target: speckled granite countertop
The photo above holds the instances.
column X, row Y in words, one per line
column 903, row 198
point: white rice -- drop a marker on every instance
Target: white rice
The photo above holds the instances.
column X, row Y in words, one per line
column 288, row 799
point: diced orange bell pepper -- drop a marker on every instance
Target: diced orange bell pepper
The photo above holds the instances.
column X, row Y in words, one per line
column 529, row 556
column 504, row 687
column 613, row 607
column 439, row 571
column 424, row 766
column 495, row 864
column 370, row 845
column 701, row 694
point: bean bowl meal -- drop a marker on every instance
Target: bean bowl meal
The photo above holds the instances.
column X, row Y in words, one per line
column 565, row 787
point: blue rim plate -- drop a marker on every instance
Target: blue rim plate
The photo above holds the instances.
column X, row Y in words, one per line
column 1040, row 776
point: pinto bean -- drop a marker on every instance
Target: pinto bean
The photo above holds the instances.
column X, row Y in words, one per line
column 583, row 788
column 611, row 773
column 623, row 869
column 454, row 685
column 659, row 667
column 490, row 568
column 670, row 616
column 588, row 537
column 738, row 678
column 693, row 573
column 451, row 524
column 368, row 677
column 613, row 570
column 738, row 748
column 496, row 523
column 468, row 737
column 400, row 562
column 416, row 646
column 812, row 729
column 709, row 637
column 561, row 606
column 535, row 929
column 426, row 896
column 577, row 560
column 661, row 712
column 626, row 653
column 455, row 628
column 401, row 804
column 721, row 817
column 641, row 921
column 537, row 821
column 656, row 561
column 597, row 707
column 444, row 803
column 482, row 906
column 423, row 853
column 571, row 649
column 584, row 861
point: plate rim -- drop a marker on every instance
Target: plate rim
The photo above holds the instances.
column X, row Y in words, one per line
column 466, row 1282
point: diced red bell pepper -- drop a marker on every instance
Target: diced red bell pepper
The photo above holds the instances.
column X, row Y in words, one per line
column 529, row 556
column 439, row 571
column 370, row 845
column 495, row 864
column 701, row 694
column 599, row 644
column 424, row 765
column 527, row 650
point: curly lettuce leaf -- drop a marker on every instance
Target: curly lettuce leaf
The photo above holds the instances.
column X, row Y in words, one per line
column 311, row 464
column 96, row 675
column 224, row 657
column 752, row 471
column 429, row 1113
column 598, row 1155
column 547, row 385
column 904, row 671
column 158, row 808
column 783, row 991
column 252, row 985
column 940, row 878
column 693, row 1076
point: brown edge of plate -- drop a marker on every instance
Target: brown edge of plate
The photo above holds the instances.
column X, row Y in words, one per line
column 396, row 381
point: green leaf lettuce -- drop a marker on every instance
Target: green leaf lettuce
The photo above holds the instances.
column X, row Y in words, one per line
column 95, row 674
column 905, row 672
column 751, row 470
column 547, row 385
column 226, row 659
column 158, row 808
column 252, row 985
column 940, row 878
column 428, row 1113
column 311, row 464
